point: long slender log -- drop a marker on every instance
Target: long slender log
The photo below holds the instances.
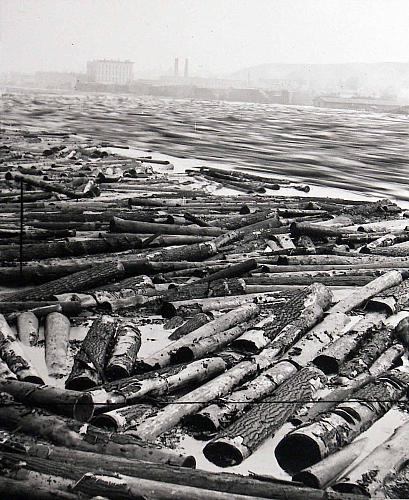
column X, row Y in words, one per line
column 14, row 489
column 63, row 431
column 124, row 353
column 327, row 471
column 56, row 335
column 318, row 231
column 190, row 325
column 319, row 260
column 368, row 476
column 153, row 384
column 221, row 414
column 76, row 282
column 244, row 436
column 394, row 299
column 341, row 425
column 27, row 327
column 384, row 226
column 39, row 273
column 397, row 250
column 368, row 291
column 73, row 404
column 125, row 418
column 131, row 226
column 235, row 270
column 385, row 240
column 12, row 353
column 90, row 360
column 297, row 310
column 239, row 315
column 41, row 309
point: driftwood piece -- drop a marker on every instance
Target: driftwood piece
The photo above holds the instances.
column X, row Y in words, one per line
column 56, row 335
column 89, row 362
column 245, row 435
column 342, row 424
column 124, row 353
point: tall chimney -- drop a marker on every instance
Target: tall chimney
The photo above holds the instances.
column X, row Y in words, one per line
column 186, row 68
column 176, row 72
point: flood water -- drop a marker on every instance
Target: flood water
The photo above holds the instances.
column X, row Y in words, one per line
column 365, row 152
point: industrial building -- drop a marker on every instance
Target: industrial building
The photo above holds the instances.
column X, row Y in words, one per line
column 109, row 72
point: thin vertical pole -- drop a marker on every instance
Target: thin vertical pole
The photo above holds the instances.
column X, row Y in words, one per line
column 21, row 226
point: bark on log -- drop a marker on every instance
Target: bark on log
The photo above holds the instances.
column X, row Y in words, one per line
column 131, row 226
column 232, row 271
column 76, row 282
column 12, row 353
column 63, row 431
column 402, row 332
column 397, row 250
column 14, row 489
column 39, row 273
column 226, row 482
column 368, row 291
column 221, row 414
column 125, row 418
column 41, row 309
column 89, row 362
column 125, row 351
column 326, row 472
column 56, row 335
column 341, row 425
column 368, row 476
column 397, row 485
column 190, row 325
column 130, row 390
column 73, row 404
column 318, row 260
column 244, row 436
column 239, row 315
column 5, row 372
column 27, row 327
column 317, row 231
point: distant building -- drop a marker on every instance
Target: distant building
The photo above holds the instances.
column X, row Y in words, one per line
column 109, row 72
column 355, row 103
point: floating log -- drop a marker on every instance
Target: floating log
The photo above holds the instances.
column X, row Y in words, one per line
column 12, row 353
column 125, row 418
column 130, row 390
column 89, row 362
column 27, row 328
column 318, row 260
column 232, row 271
column 124, row 353
column 39, row 273
column 56, row 335
column 368, row 476
column 20, row 489
column 341, row 425
column 327, row 471
column 76, row 282
column 397, row 250
column 132, row 226
column 393, row 299
column 386, row 240
column 317, row 230
column 190, row 325
column 41, row 309
column 221, row 414
column 245, row 435
column 368, row 291
column 63, row 431
column 237, row 316
column 73, row 404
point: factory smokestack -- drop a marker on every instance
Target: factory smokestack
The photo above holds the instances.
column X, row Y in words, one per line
column 176, row 71
column 186, row 68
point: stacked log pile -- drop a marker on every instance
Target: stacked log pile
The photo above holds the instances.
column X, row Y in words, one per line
column 285, row 315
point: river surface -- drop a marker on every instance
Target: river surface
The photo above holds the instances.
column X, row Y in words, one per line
column 364, row 152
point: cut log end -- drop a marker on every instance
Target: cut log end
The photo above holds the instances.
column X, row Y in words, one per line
column 307, row 478
column 200, row 425
column 34, row 379
column 223, row 453
column 168, row 310
column 182, row 355
column 117, row 372
column 80, row 383
column 105, row 422
column 327, row 364
column 84, row 408
column 290, row 457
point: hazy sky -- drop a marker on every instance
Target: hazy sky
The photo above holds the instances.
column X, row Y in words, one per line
column 218, row 36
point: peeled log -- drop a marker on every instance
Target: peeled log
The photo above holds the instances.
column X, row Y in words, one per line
column 63, row 431
column 368, row 291
column 239, row 315
column 12, row 353
column 76, row 282
column 341, row 425
column 73, row 404
column 27, row 327
column 89, row 362
column 123, row 356
column 327, row 471
column 129, row 390
column 245, row 435
column 368, row 476
column 56, row 335
column 132, row 226
column 219, row 415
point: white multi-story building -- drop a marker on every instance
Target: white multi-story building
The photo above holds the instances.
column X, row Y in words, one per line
column 107, row 71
